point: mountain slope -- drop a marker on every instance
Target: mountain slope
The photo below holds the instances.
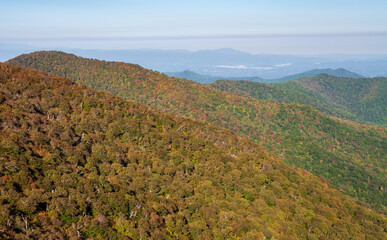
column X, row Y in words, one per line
column 363, row 100
column 366, row 98
column 269, row 92
column 350, row 156
column 340, row 72
column 77, row 163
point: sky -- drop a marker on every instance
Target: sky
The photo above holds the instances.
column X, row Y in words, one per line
column 255, row 26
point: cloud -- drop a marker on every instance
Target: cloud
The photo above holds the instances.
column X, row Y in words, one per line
column 256, row 68
column 283, row 65
column 243, row 67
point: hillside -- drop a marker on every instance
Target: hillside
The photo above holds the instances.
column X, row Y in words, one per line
column 340, row 72
column 350, row 156
column 365, row 98
column 77, row 164
column 269, row 92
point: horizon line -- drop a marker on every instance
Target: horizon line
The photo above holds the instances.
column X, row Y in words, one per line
column 188, row 37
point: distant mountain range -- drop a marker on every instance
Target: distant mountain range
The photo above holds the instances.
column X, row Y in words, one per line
column 348, row 155
column 230, row 63
column 200, row 78
column 340, row 72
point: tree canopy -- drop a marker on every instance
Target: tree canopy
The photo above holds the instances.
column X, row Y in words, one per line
column 77, row 164
column 345, row 154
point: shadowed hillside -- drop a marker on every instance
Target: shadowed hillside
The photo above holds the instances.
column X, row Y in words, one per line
column 269, row 92
column 365, row 98
column 362, row 100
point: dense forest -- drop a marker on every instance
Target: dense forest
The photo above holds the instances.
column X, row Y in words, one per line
column 344, row 154
column 269, row 92
column 77, row 164
column 365, row 98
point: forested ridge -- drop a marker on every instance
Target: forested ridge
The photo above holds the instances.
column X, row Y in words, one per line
column 271, row 92
column 340, row 72
column 364, row 98
column 344, row 154
column 77, row 164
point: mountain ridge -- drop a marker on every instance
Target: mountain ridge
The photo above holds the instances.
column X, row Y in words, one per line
column 332, row 148
column 205, row 61
column 78, row 163
column 365, row 98
column 335, row 96
column 339, row 72
column 268, row 92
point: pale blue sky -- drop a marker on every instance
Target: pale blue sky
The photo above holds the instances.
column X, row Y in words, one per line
column 270, row 26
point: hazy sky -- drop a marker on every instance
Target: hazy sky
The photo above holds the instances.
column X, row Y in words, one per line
column 256, row 26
